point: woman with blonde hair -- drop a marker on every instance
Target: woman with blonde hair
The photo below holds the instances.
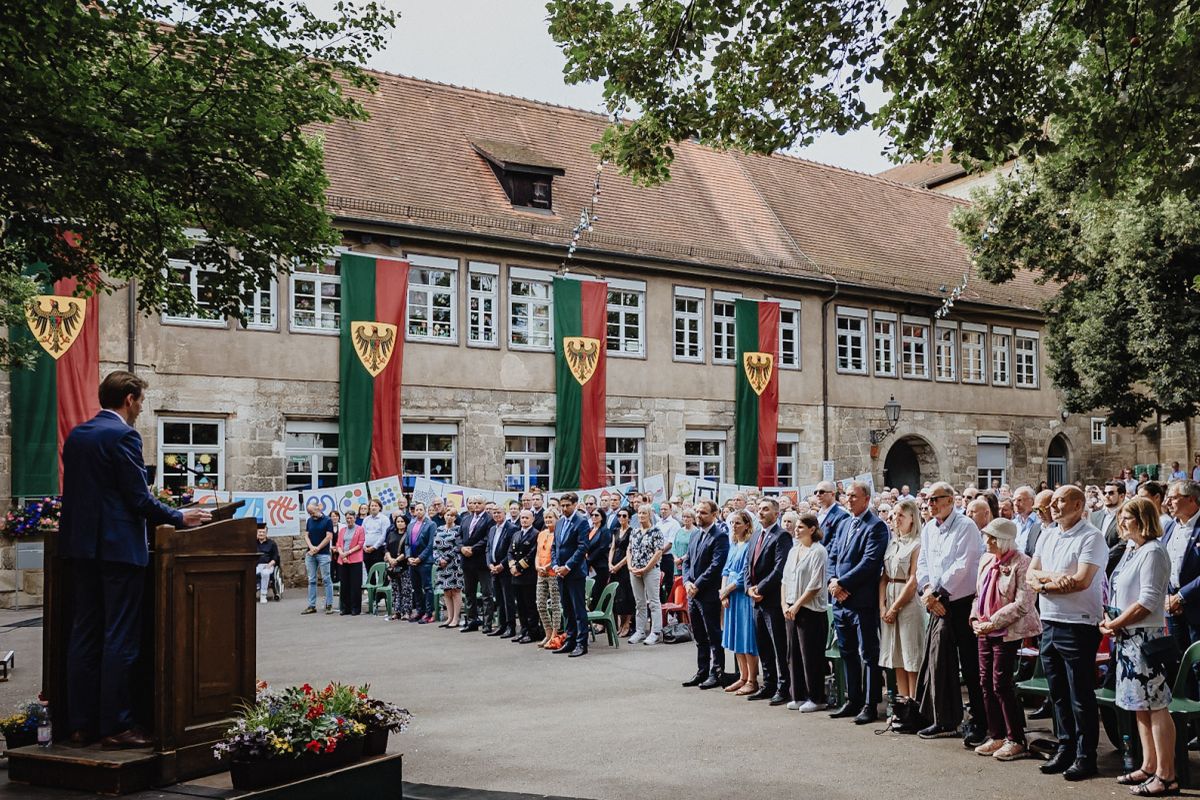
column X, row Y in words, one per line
column 548, row 605
column 902, row 622
column 738, row 633
column 1136, row 619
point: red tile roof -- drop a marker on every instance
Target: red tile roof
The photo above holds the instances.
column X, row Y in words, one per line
column 412, row 163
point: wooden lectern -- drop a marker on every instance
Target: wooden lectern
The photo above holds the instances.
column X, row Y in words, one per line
column 198, row 660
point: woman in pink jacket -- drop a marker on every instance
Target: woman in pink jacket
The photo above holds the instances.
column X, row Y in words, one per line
column 1003, row 614
column 349, row 553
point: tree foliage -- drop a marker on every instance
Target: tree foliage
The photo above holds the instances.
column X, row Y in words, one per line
column 1097, row 101
column 129, row 122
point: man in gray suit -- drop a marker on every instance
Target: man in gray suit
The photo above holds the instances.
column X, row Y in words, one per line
column 1105, row 521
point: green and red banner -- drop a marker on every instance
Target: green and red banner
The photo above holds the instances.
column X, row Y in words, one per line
column 374, row 297
column 60, row 391
column 756, row 410
column 580, row 337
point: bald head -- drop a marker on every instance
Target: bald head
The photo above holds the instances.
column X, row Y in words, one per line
column 1066, row 506
column 826, row 494
column 980, row 512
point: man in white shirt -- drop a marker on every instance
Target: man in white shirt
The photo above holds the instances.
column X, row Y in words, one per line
column 669, row 527
column 905, row 493
column 1028, row 524
column 1196, row 469
column 1183, row 501
column 947, row 566
column 1064, row 573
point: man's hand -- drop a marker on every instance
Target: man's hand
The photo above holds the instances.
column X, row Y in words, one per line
column 561, row 571
column 467, row 551
column 195, row 516
column 754, row 594
column 414, row 562
column 1174, row 605
column 690, row 588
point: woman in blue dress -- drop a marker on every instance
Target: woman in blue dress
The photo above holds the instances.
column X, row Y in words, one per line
column 738, row 635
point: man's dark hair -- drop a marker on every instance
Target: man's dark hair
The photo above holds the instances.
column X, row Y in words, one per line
column 570, row 497
column 1118, row 485
column 118, row 385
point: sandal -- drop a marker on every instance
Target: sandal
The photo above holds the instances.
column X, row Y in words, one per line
column 1135, row 778
column 749, row 688
column 733, row 687
column 1169, row 787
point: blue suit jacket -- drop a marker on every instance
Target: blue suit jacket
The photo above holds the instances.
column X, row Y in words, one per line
column 106, row 503
column 1189, row 579
column 860, row 561
column 706, row 556
column 423, row 547
column 570, row 546
column 837, row 523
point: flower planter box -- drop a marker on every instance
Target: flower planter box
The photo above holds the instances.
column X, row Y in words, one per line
column 20, row 739
column 259, row 774
column 375, row 742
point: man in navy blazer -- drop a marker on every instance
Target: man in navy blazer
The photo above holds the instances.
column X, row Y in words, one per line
column 102, row 536
column 706, row 554
column 1183, row 501
column 769, row 547
column 568, row 558
column 473, row 529
column 833, row 521
column 496, row 558
column 419, row 549
column 854, row 588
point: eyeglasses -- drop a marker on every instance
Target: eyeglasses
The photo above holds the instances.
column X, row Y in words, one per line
column 823, row 491
column 935, row 497
column 1109, row 492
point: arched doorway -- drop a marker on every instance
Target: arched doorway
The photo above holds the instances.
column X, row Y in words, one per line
column 909, row 462
column 1058, row 459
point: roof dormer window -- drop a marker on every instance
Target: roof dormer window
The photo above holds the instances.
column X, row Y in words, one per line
column 526, row 177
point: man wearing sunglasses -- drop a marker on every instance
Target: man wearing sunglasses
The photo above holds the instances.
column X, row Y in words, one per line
column 1105, row 521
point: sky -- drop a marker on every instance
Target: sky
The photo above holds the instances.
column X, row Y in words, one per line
column 503, row 46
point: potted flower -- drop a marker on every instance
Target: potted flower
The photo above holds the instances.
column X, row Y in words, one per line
column 35, row 518
column 292, row 734
column 381, row 718
column 20, row 729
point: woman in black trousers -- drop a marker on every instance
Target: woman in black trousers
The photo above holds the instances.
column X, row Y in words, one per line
column 803, row 595
column 599, row 542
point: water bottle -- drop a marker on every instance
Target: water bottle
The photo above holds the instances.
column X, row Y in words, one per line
column 891, row 703
column 830, row 691
column 1127, row 754
column 45, row 735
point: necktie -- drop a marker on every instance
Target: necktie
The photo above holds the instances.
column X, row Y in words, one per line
column 757, row 549
column 475, row 523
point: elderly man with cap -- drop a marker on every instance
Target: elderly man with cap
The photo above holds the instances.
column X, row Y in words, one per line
column 1002, row 615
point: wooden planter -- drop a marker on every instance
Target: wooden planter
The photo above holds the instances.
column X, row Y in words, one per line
column 259, row 774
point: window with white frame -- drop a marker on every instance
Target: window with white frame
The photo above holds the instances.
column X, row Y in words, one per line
column 991, row 461
column 432, row 284
column 310, row 455
column 316, row 296
column 914, row 347
column 789, row 333
column 259, row 306
column 704, row 454
column 483, row 296
column 623, row 449
column 626, row 317
column 530, row 309
column 1026, row 359
column 945, row 337
column 1001, row 375
column 689, row 324
column 528, row 457
column 973, row 338
column 200, row 283
column 428, row 451
column 1099, row 430
column 723, row 338
column 884, row 339
column 191, row 452
column 787, row 459
column 851, row 325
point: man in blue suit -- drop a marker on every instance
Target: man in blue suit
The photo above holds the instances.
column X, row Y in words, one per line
column 568, row 558
column 769, row 547
column 102, row 537
column 854, row 588
column 706, row 556
column 833, row 521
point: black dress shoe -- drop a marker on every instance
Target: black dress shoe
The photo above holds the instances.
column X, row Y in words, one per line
column 577, row 652
column 1082, row 768
column 496, row 632
column 523, row 639
column 846, row 710
column 778, row 699
column 866, row 716
column 1059, row 762
column 764, row 693
column 1046, row 711
column 973, row 737
column 695, row 680
column 711, row 682
column 470, row 627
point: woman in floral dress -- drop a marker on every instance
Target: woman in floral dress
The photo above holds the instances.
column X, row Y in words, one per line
column 448, row 559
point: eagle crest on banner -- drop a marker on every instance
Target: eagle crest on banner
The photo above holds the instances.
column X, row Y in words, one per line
column 374, row 342
column 583, row 356
column 758, row 368
column 55, row 321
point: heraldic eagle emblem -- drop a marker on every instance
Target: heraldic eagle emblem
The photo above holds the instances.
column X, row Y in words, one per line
column 55, row 321
column 758, row 368
column 374, row 342
column 583, row 356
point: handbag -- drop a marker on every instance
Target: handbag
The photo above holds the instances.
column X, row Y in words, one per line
column 677, row 632
column 1162, row 651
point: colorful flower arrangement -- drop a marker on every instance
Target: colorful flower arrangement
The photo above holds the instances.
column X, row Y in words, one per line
column 27, row 719
column 169, row 498
column 36, row 518
column 301, row 720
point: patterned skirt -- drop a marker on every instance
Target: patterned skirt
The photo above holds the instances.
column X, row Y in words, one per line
column 1140, row 686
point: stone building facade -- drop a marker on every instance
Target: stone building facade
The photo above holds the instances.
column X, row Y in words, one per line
column 860, row 265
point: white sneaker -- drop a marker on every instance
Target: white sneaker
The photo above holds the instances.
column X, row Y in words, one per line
column 637, row 638
column 651, row 639
column 793, row 706
column 809, row 706
column 263, row 599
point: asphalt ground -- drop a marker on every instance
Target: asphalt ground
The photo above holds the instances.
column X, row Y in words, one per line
column 493, row 715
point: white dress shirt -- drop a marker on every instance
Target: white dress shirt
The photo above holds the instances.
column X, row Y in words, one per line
column 1177, row 546
column 949, row 557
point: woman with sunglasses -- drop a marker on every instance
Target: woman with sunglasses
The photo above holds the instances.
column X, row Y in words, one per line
column 618, row 567
column 599, row 543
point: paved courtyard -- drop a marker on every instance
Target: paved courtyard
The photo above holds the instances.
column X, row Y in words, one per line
column 494, row 715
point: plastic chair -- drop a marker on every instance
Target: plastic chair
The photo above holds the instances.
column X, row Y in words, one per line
column 677, row 603
column 834, row 656
column 1184, row 711
column 604, row 615
column 438, row 594
column 377, row 582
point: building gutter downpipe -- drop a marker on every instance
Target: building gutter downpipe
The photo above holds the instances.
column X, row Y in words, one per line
column 825, row 368
column 131, row 325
